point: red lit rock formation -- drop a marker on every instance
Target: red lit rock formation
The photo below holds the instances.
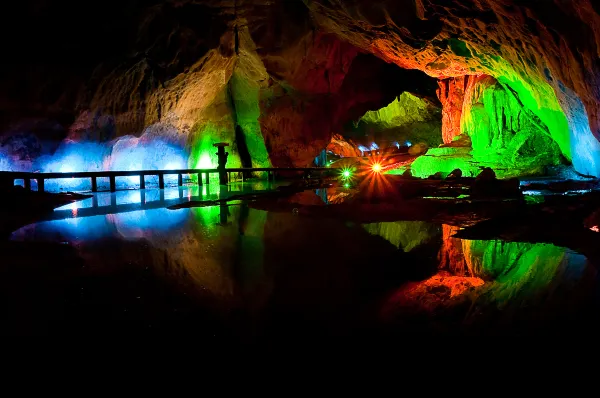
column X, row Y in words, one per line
column 452, row 95
column 342, row 147
column 430, row 294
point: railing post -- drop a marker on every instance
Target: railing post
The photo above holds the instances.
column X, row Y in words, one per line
column 113, row 183
column 27, row 183
column 207, row 178
column 161, row 181
column 199, row 178
column 179, row 180
column 94, row 184
column 142, row 181
column 40, row 184
column 269, row 175
column 222, row 162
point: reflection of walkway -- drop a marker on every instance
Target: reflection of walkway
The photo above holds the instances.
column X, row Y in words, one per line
column 102, row 203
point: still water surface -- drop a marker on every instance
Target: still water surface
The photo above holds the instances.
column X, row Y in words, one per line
column 122, row 262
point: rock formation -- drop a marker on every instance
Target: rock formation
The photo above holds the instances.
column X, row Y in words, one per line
column 406, row 120
column 342, row 147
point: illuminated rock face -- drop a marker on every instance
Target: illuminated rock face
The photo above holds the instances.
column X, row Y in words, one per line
column 277, row 79
column 503, row 133
column 533, row 50
column 407, row 120
column 342, row 147
column 452, row 96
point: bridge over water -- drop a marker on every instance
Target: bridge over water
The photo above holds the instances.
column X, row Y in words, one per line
column 8, row 178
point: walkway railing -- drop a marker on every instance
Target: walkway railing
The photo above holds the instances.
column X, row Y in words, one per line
column 7, row 178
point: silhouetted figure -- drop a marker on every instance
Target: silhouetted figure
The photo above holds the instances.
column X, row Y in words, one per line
column 407, row 174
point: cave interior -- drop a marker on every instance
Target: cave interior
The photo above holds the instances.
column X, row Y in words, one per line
column 439, row 92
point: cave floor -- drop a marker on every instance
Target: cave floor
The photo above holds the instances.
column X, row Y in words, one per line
column 315, row 264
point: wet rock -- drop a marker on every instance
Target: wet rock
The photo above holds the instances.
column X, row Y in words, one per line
column 418, row 149
column 454, row 174
column 407, row 174
column 21, row 146
column 486, row 175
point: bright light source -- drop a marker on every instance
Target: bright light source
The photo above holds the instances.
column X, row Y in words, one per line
column 346, row 173
column 376, row 168
column 346, row 185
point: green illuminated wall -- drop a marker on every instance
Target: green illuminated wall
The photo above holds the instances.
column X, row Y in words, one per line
column 503, row 131
column 405, row 235
column 246, row 98
column 407, row 118
column 506, row 133
column 236, row 104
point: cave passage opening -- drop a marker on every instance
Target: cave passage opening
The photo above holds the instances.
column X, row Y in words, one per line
column 468, row 122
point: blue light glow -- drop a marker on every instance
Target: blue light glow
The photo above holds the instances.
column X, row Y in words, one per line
column 374, row 146
column 585, row 148
column 5, row 162
column 408, row 143
column 124, row 154
column 130, row 225
column 363, row 148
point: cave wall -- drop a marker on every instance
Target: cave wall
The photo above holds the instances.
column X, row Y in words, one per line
column 532, row 47
column 503, row 131
column 265, row 79
column 495, row 129
column 277, row 79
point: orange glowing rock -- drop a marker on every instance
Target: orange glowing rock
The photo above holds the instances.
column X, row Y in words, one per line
column 429, row 294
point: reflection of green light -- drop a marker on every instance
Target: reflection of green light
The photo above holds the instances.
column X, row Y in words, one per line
column 346, row 185
column 346, row 173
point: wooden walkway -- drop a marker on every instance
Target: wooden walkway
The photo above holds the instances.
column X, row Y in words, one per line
column 7, row 178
